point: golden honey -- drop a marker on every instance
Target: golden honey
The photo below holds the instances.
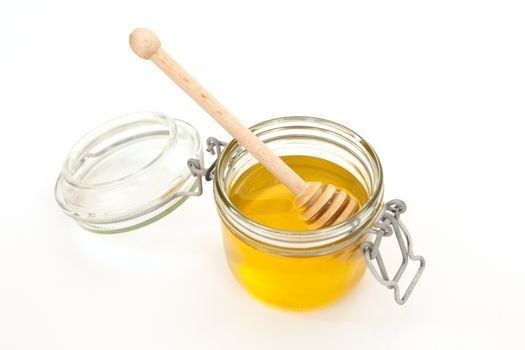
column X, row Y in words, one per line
column 291, row 280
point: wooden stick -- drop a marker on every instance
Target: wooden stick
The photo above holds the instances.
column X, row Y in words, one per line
column 321, row 204
column 147, row 45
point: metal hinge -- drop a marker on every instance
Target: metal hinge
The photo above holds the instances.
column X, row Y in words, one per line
column 389, row 222
column 198, row 170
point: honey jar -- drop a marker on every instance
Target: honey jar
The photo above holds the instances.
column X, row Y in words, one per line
column 138, row 168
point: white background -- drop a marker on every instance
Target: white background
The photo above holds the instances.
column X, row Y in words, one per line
column 436, row 87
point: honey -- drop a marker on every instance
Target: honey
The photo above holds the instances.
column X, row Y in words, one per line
column 291, row 280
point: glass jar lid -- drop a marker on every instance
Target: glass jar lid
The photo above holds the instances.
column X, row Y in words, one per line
column 128, row 172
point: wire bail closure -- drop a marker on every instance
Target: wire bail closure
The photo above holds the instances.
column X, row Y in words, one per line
column 389, row 222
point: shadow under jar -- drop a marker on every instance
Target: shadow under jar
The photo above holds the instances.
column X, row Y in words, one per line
column 299, row 269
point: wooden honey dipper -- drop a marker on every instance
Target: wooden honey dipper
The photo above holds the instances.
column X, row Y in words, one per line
column 321, row 204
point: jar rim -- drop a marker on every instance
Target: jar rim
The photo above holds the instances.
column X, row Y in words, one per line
column 325, row 235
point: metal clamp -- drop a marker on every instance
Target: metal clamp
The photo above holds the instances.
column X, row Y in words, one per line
column 388, row 222
column 198, row 170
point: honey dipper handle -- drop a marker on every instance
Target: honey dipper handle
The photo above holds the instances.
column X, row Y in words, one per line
column 147, row 45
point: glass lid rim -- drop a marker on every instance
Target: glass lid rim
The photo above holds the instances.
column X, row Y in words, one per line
column 169, row 122
column 152, row 208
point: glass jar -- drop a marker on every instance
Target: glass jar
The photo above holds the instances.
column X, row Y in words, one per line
column 290, row 269
column 136, row 169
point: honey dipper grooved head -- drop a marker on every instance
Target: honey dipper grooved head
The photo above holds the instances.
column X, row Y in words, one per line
column 144, row 42
column 325, row 205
